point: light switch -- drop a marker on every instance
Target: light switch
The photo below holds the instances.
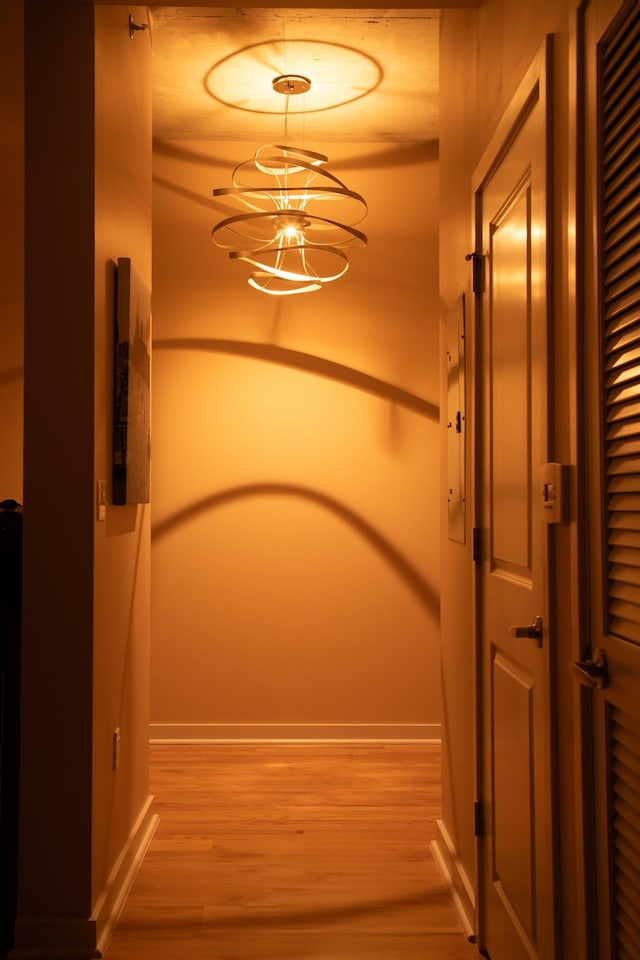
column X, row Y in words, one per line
column 554, row 492
column 101, row 500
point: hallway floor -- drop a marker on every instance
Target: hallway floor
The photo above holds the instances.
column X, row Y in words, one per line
column 288, row 851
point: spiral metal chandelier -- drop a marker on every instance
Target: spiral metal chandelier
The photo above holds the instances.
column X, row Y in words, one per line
column 297, row 218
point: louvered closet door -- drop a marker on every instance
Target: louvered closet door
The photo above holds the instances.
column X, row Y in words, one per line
column 615, row 491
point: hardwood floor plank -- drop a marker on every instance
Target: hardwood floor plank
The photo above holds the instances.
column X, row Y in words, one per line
column 275, row 852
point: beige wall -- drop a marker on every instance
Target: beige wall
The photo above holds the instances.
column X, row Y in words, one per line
column 484, row 55
column 86, row 584
column 11, row 251
column 122, row 541
column 295, row 467
column 459, row 135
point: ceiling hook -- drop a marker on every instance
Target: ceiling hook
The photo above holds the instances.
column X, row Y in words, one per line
column 135, row 26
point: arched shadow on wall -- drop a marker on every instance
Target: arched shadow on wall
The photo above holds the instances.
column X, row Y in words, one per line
column 309, row 363
column 407, row 572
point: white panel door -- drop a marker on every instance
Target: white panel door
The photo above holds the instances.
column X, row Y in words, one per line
column 516, row 875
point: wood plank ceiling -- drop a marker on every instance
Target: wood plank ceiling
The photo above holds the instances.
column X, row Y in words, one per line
column 374, row 74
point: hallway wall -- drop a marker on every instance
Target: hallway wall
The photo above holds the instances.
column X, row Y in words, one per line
column 295, row 568
column 121, row 557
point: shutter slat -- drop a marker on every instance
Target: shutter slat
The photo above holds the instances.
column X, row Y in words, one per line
column 625, row 521
column 619, row 395
column 625, row 611
column 629, row 283
column 625, row 338
column 624, row 751
column 624, row 411
column 628, row 825
column 625, row 483
column 623, row 555
column 625, row 150
column 622, row 428
column 616, row 467
column 628, row 739
column 622, row 266
column 616, row 114
column 624, row 357
column 627, row 501
column 629, row 863
column 620, row 49
column 623, row 558
column 625, row 375
column 624, row 538
column 620, row 213
column 628, row 919
column 625, row 448
column 626, row 592
column 619, row 184
column 630, row 870
column 623, row 312
column 622, row 258
column 625, row 629
column 622, row 239
column 621, row 73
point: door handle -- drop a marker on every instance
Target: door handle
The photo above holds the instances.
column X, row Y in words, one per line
column 592, row 673
column 533, row 631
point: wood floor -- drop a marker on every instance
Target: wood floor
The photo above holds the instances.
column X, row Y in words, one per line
column 290, row 851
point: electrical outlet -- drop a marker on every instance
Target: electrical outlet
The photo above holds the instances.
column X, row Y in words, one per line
column 116, row 748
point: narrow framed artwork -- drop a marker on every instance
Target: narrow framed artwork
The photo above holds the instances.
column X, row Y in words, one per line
column 131, row 387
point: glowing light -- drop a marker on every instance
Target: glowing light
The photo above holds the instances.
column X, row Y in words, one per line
column 298, row 217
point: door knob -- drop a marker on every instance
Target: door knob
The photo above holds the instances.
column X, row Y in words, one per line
column 533, row 631
column 592, row 673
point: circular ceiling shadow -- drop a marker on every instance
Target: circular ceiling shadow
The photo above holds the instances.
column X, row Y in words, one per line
column 339, row 75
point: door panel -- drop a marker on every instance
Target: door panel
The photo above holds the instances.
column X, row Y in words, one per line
column 513, row 803
column 510, row 386
column 516, row 873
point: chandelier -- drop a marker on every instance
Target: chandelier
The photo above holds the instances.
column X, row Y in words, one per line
column 297, row 218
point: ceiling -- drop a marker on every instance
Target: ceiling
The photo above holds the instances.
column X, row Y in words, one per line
column 373, row 73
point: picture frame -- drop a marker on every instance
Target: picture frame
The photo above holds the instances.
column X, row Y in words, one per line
column 131, row 387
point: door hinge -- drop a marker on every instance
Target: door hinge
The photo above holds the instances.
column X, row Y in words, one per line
column 476, row 259
column 477, row 544
column 478, row 820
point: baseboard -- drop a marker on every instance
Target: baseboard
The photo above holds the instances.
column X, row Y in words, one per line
column 293, row 732
column 109, row 904
column 457, row 880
